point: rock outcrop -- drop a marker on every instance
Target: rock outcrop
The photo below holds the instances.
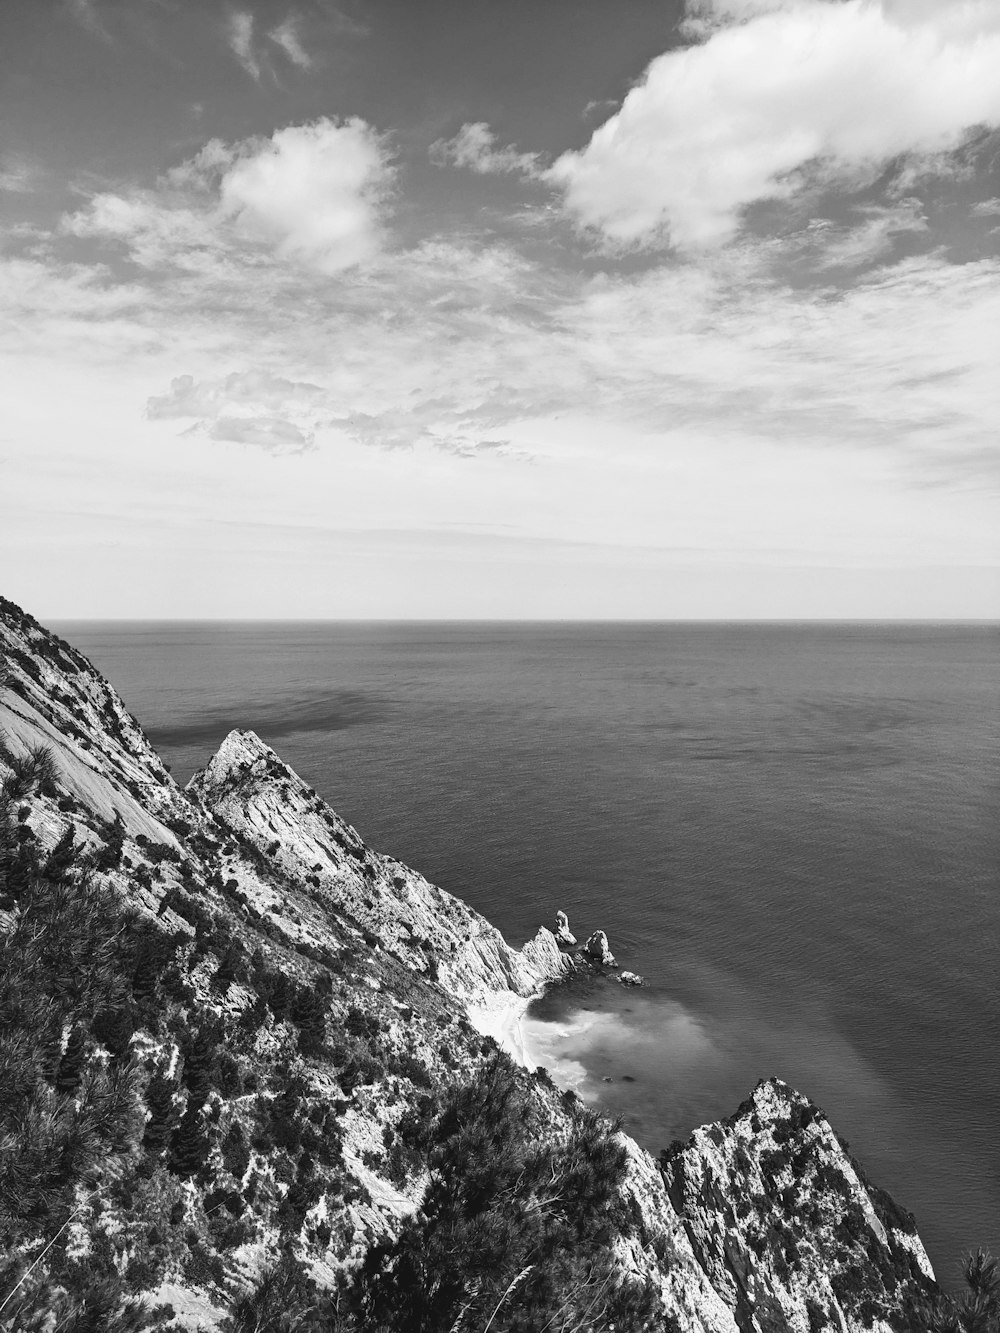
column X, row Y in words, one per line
column 267, row 806
column 787, row 1227
column 301, row 998
column 564, row 936
column 598, row 949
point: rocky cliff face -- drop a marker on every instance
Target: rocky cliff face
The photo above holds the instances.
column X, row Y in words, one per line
column 249, row 791
column 290, row 1003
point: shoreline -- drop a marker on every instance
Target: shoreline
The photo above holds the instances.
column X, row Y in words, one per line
column 501, row 1019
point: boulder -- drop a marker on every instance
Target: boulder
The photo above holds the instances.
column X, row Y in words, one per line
column 630, row 979
column 564, row 936
column 597, row 949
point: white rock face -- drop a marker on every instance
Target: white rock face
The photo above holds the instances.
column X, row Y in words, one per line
column 564, row 936
column 249, row 790
column 786, row 1228
column 630, row 979
column 597, row 948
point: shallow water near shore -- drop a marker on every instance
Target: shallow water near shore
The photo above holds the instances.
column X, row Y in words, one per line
column 790, row 830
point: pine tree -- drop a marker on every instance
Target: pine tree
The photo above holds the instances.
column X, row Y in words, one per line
column 71, row 1064
column 159, row 1126
column 309, row 1016
column 189, row 1146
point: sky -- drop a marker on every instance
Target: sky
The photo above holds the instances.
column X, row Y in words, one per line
column 657, row 309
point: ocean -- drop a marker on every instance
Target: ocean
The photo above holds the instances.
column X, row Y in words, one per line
column 790, row 830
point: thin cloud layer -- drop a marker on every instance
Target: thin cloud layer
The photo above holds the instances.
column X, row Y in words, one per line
column 474, row 147
column 286, row 36
column 260, row 389
column 773, row 91
column 239, row 34
column 274, row 434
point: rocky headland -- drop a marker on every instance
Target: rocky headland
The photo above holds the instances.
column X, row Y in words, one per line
column 253, row 1079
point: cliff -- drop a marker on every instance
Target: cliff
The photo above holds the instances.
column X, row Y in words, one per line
column 271, row 1055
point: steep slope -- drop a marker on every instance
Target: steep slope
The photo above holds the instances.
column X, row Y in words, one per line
column 288, row 1017
column 258, row 798
column 786, row 1225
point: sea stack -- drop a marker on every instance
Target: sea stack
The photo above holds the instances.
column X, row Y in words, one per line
column 597, row 948
column 564, row 936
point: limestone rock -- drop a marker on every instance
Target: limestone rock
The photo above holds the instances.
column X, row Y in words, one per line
column 775, row 1173
column 630, row 979
column 564, row 936
column 597, row 949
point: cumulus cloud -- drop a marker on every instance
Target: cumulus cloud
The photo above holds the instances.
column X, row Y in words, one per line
column 314, row 194
column 777, row 87
column 475, row 148
column 315, row 191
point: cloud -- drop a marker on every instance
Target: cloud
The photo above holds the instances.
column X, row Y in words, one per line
column 239, row 34
column 436, row 424
column 17, row 176
column 87, row 15
column 474, row 147
column 311, row 194
column 258, row 389
column 286, row 36
column 315, row 191
column 245, row 407
column 774, row 91
column 859, row 244
column 271, row 433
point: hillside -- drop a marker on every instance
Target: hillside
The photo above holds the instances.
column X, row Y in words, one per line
column 249, row 1080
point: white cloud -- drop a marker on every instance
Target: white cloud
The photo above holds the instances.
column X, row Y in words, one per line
column 776, row 88
column 702, row 407
column 314, row 190
column 312, row 194
column 474, row 147
column 286, row 36
column 239, row 34
column 864, row 242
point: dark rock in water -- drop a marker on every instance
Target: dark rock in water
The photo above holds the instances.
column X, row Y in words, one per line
column 598, row 949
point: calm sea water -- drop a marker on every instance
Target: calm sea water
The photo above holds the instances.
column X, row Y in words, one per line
column 790, row 830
